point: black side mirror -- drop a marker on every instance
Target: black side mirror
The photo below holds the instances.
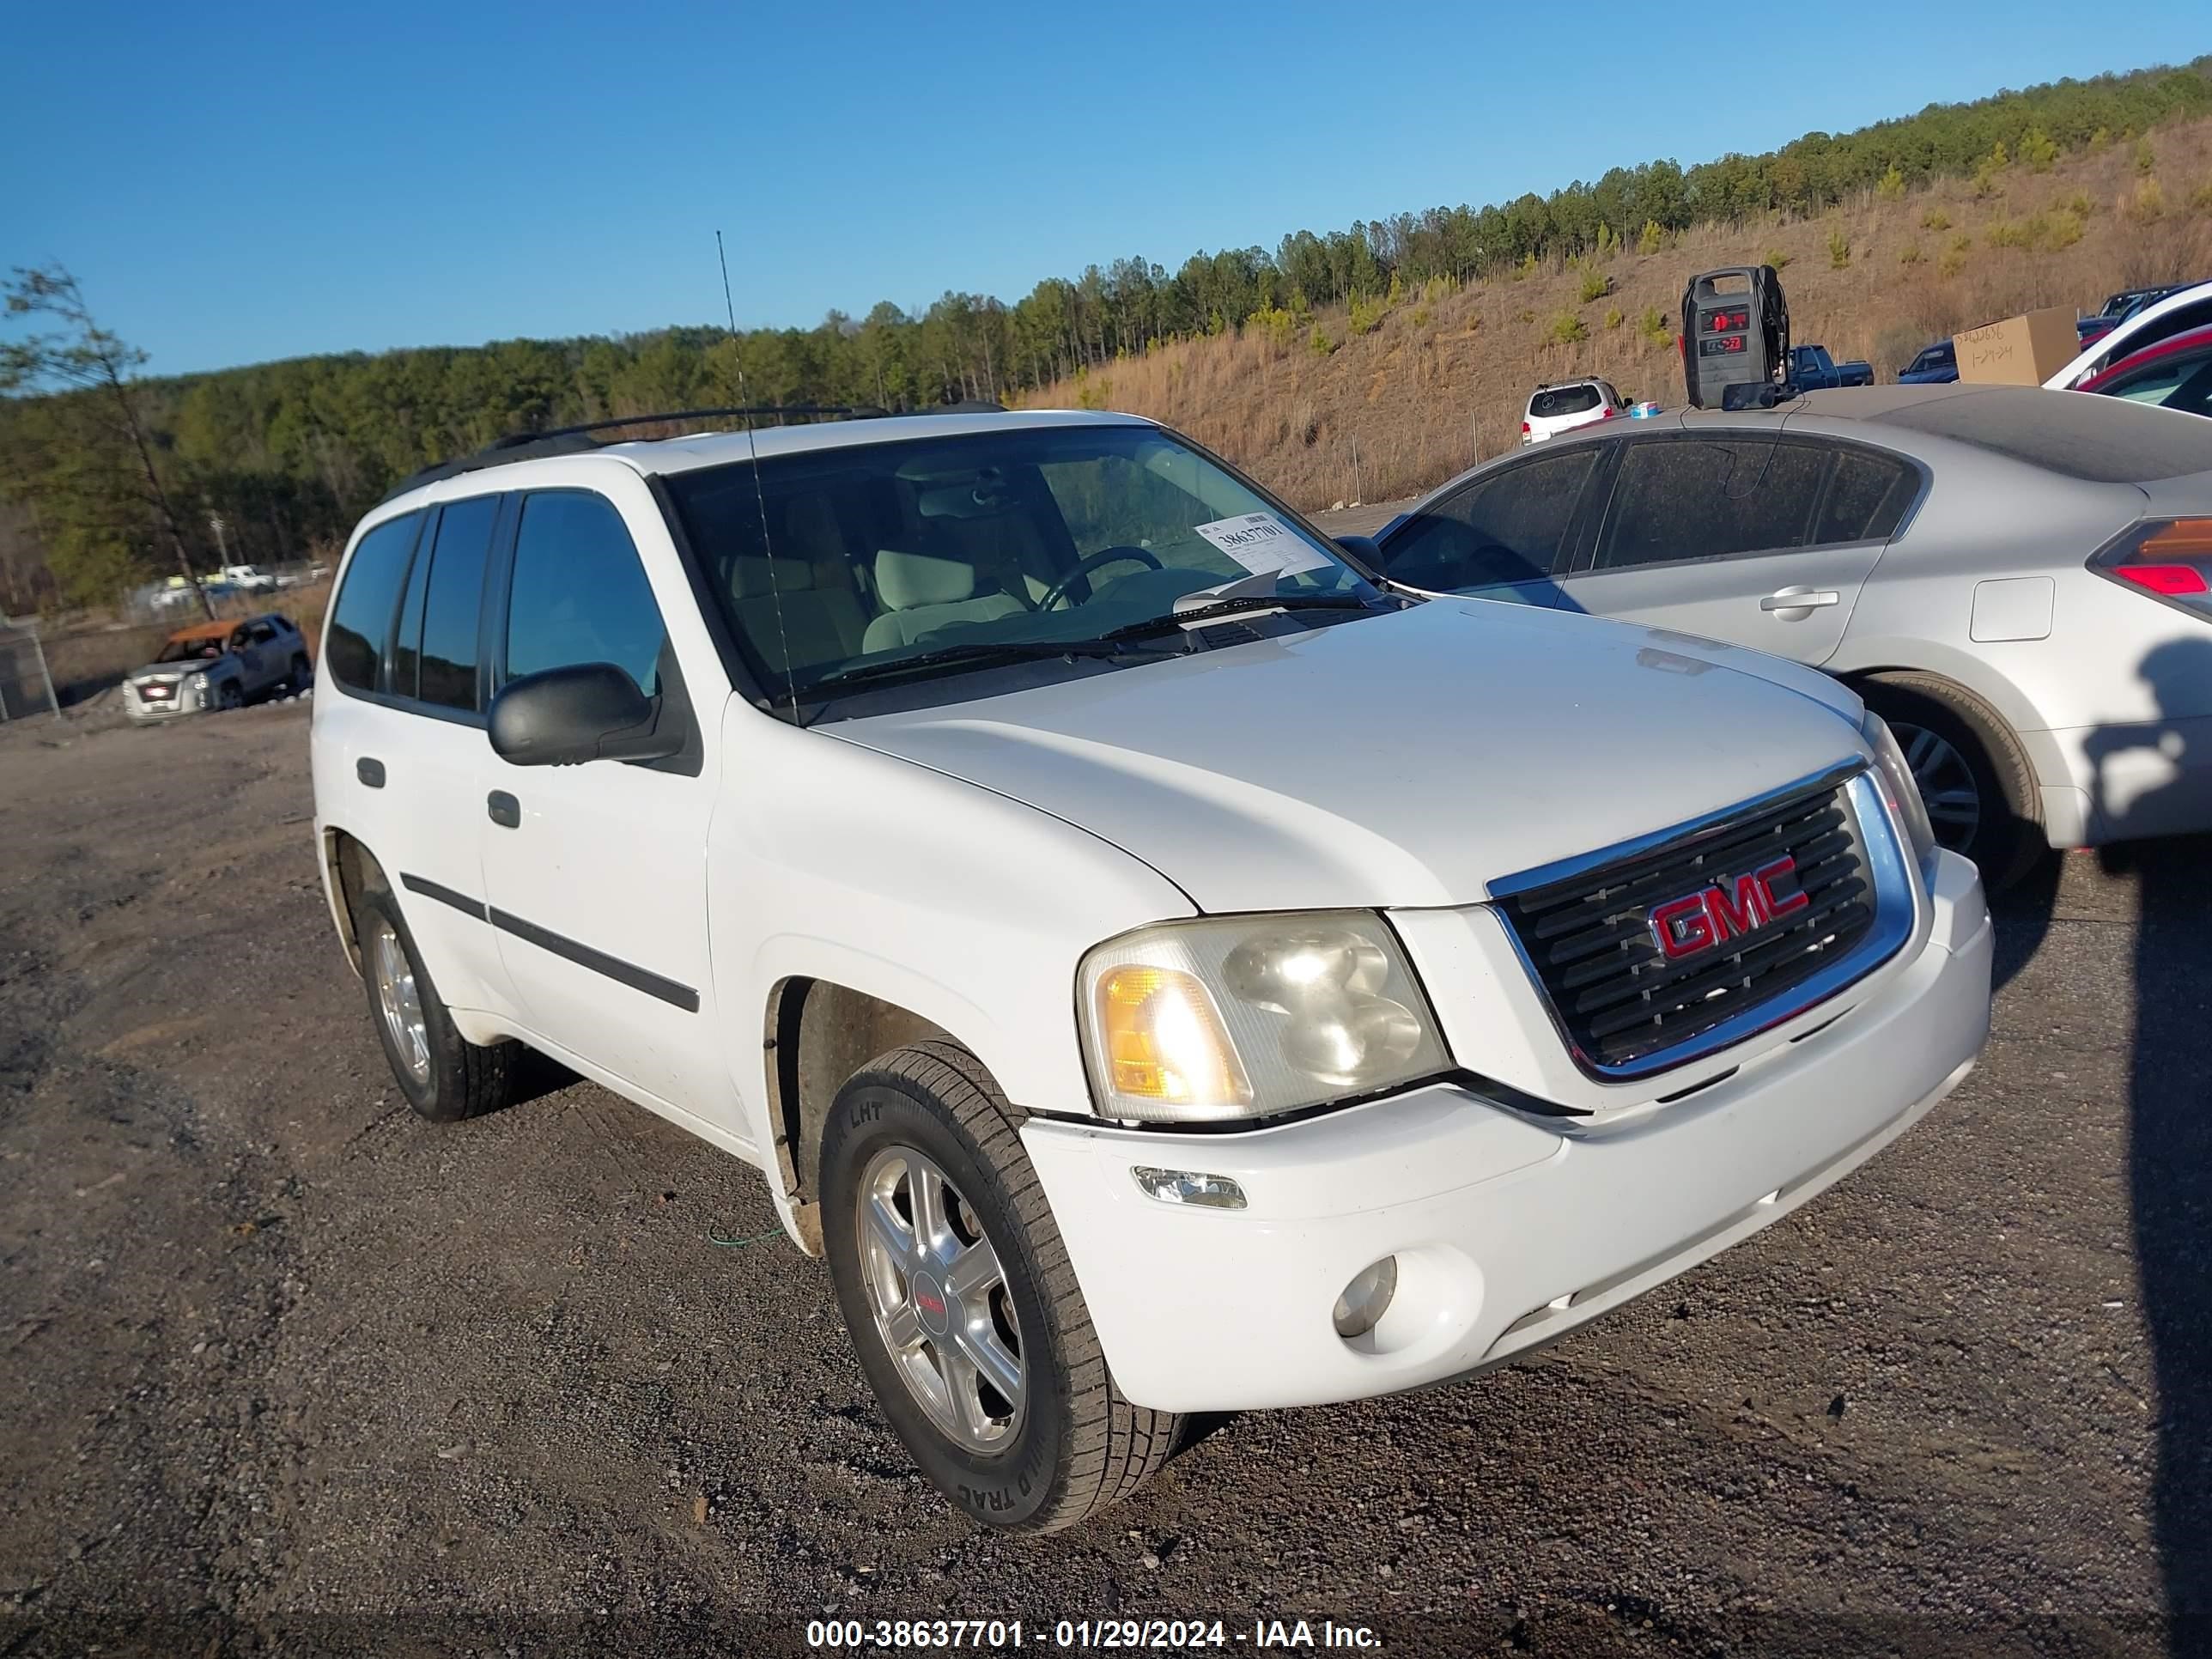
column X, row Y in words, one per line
column 1363, row 552
column 584, row 712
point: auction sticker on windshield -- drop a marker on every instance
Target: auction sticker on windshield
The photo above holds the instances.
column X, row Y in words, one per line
column 1262, row 543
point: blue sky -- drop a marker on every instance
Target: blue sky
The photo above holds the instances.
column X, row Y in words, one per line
column 237, row 184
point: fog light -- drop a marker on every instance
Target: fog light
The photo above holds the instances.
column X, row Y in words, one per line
column 1211, row 1191
column 1367, row 1298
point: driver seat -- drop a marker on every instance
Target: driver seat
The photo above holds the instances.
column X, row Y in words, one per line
column 921, row 594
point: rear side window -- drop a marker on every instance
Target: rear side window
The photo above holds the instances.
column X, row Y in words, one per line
column 580, row 592
column 1550, row 404
column 360, row 621
column 1503, row 529
column 454, row 602
column 1866, row 497
column 1702, row 498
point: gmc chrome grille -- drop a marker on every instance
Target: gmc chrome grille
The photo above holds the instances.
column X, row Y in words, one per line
column 1753, row 906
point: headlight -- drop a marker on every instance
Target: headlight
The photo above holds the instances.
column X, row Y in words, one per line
column 1899, row 788
column 1250, row 1015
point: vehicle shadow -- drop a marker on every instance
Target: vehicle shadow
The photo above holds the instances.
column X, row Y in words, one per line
column 2023, row 913
column 2170, row 1149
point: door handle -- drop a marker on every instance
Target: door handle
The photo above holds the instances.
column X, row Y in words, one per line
column 505, row 810
column 1800, row 598
column 370, row 771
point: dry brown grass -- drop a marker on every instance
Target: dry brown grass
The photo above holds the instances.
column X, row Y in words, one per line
column 1440, row 381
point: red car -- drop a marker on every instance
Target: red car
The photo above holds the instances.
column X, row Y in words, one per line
column 2176, row 372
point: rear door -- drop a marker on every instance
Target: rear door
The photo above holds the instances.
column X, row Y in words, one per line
column 1504, row 535
column 597, row 874
column 401, row 775
column 1753, row 537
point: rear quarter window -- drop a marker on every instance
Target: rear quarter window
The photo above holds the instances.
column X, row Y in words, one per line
column 1867, row 496
column 362, row 619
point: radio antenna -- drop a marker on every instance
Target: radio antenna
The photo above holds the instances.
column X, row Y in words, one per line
column 760, row 499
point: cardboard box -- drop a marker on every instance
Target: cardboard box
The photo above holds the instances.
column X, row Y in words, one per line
column 2020, row 350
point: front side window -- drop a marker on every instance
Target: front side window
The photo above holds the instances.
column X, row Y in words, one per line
column 580, row 592
column 1703, row 498
column 1495, row 531
column 362, row 619
column 837, row 565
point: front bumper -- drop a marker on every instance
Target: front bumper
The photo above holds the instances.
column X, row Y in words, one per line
column 1509, row 1230
column 183, row 700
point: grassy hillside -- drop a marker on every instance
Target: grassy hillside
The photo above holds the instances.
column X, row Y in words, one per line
column 1383, row 400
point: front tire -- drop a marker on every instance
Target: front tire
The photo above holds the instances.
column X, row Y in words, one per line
column 957, row 1290
column 444, row 1076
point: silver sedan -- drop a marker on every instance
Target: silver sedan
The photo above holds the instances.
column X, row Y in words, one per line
column 2019, row 579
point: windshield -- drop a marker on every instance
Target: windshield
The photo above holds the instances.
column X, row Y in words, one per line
column 198, row 650
column 1016, row 539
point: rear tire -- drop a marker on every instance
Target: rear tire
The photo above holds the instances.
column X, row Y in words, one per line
column 1063, row 1442
column 444, row 1076
column 1980, row 791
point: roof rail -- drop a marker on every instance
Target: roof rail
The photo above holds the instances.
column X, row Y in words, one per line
column 578, row 439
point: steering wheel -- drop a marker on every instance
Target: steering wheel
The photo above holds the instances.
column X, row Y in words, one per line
column 1104, row 555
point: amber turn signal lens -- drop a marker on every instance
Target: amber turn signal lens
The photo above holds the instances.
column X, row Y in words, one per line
column 2182, row 539
column 1164, row 1040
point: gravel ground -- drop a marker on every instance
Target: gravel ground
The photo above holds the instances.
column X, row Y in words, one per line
column 289, row 1371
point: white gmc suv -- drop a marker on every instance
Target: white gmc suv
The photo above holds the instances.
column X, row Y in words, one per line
column 1163, row 969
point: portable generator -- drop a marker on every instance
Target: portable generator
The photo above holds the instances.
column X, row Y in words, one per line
column 1735, row 332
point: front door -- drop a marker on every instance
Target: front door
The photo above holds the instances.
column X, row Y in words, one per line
column 596, row 874
column 1753, row 538
column 1499, row 535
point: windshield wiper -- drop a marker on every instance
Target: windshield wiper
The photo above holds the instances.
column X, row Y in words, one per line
column 978, row 651
column 1231, row 606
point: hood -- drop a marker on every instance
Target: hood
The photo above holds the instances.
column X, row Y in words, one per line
column 1409, row 759
column 175, row 670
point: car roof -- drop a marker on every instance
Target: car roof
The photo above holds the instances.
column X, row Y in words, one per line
column 221, row 628
column 655, row 457
column 2094, row 440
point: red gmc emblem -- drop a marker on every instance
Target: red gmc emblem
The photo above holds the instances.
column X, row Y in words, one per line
column 1726, row 909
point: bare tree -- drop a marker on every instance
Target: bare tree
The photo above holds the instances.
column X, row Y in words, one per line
column 81, row 356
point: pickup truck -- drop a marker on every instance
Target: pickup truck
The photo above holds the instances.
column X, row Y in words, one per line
column 1812, row 369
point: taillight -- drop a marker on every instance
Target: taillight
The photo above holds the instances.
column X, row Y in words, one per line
column 1525, row 428
column 2169, row 579
column 1606, row 414
column 2170, row 558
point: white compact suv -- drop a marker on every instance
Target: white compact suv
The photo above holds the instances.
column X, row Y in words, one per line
column 1163, row 969
column 1571, row 403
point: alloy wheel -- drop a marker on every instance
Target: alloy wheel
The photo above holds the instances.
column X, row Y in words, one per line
column 399, row 999
column 940, row 1299
column 1947, row 783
